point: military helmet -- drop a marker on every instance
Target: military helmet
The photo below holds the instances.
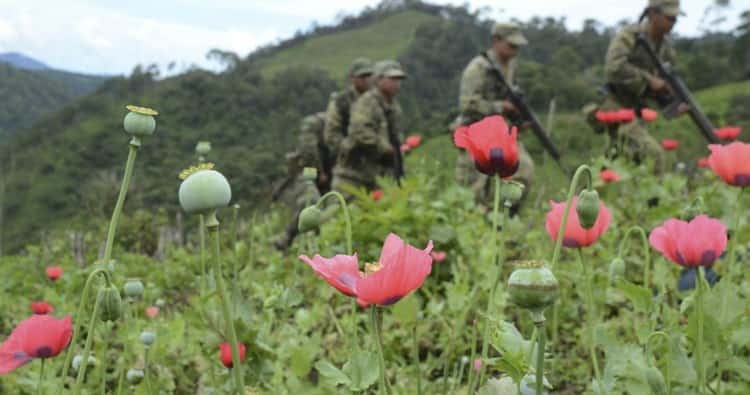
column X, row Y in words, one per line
column 510, row 32
column 667, row 7
column 389, row 69
column 361, row 67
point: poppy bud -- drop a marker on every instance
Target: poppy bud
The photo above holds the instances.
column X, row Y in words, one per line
column 134, row 376
column 78, row 359
column 159, row 303
column 512, row 191
column 140, row 121
column 204, row 190
column 133, row 288
column 203, row 147
column 656, row 381
column 587, row 208
column 532, row 286
column 309, row 174
column 309, row 219
column 147, row 338
column 111, row 304
column 616, row 269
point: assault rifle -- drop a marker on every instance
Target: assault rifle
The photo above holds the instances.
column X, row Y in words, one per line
column 515, row 96
column 398, row 159
column 680, row 94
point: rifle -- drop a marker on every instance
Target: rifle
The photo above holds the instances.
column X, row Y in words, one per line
column 515, row 96
column 680, row 92
column 398, row 159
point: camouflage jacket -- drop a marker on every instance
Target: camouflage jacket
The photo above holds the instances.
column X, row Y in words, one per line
column 481, row 93
column 309, row 141
column 367, row 152
column 338, row 117
column 628, row 67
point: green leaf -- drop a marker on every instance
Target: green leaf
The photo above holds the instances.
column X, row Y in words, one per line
column 405, row 311
column 302, row 358
column 639, row 296
column 332, row 373
column 363, row 369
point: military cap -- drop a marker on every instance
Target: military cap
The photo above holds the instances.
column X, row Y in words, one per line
column 360, row 67
column 510, row 32
column 389, row 69
column 667, row 7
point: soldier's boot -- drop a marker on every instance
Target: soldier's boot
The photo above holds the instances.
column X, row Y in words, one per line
column 292, row 230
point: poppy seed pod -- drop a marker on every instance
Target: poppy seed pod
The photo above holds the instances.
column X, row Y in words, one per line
column 203, row 147
column 78, row 360
column 587, row 208
column 309, row 219
column 111, row 303
column 140, row 121
column 133, row 288
column 134, row 376
column 616, row 269
column 512, row 191
column 148, row 338
column 309, row 174
column 204, row 190
column 532, row 286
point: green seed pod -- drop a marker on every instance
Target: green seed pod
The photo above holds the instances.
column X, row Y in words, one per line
column 78, row 359
column 512, row 191
column 204, row 190
column 111, row 304
column 133, row 288
column 147, row 338
column 134, row 376
column 203, row 147
column 616, row 269
column 588, row 208
column 532, row 286
column 160, row 303
column 309, row 174
column 140, row 121
column 309, row 219
column 655, row 381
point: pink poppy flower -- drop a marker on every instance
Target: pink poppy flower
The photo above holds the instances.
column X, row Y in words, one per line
column 609, row 176
column 41, row 307
column 405, row 148
column 605, row 117
column 341, row 271
column 669, row 144
column 152, row 311
column 728, row 133
column 376, row 194
column 491, row 144
column 699, row 242
column 703, row 162
column 39, row 336
column 649, row 115
column 625, row 115
column 731, row 162
column 225, row 353
column 575, row 235
column 438, row 256
column 414, row 141
column 54, row 272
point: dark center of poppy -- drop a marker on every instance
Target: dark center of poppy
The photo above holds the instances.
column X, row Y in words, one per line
column 742, row 180
column 570, row 242
column 708, row 258
column 391, row 300
column 44, row 352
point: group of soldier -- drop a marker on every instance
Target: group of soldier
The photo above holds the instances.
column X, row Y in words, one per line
column 358, row 137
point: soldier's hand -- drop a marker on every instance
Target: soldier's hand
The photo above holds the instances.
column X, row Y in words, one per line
column 657, row 84
column 683, row 108
column 509, row 108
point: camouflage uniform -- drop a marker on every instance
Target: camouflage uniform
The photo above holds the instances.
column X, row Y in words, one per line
column 370, row 150
column 628, row 69
column 481, row 95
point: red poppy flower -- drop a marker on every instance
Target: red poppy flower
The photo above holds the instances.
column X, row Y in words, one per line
column 376, row 194
column 54, row 272
column 225, row 352
column 152, row 311
column 414, row 141
column 649, row 115
column 39, row 336
column 492, row 146
column 669, row 144
column 731, row 162
column 608, row 176
column 605, row 117
column 703, row 162
column 575, row 235
column 400, row 270
column 625, row 115
column 341, row 271
column 699, row 242
column 728, row 132
column 405, row 148
column 438, row 256
column 41, row 307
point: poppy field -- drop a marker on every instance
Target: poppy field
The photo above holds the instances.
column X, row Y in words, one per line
column 620, row 283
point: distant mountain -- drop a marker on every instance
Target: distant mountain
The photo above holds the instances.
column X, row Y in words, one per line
column 22, row 61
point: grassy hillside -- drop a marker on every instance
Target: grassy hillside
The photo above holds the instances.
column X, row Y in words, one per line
column 385, row 39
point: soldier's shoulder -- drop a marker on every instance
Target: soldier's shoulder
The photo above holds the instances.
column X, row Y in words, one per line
column 478, row 62
column 628, row 33
column 313, row 120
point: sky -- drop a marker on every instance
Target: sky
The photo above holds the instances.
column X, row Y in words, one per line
column 111, row 37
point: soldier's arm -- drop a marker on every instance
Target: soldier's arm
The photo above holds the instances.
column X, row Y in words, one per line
column 365, row 127
column 620, row 71
column 307, row 144
column 333, row 134
column 471, row 102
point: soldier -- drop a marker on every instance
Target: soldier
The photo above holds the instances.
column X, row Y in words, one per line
column 339, row 108
column 297, row 192
column 372, row 146
column 632, row 78
column 482, row 94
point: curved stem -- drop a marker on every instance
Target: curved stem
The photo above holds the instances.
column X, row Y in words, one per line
column 699, row 341
column 76, row 319
column 667, row 340
column 497, row 262
column 540, row 356
column 376, row 332
column 347, row 217
column 591, row 317
column 568, row 202
column 87, row 347
column 416, row 359
column 212, row 224
column 645, row 248
column 134, row 144
column 41, row 378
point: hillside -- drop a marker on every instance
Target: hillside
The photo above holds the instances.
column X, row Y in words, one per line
column 21, row 61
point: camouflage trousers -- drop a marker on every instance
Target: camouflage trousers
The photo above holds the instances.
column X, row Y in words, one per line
column 468, row 175
column 634, row 141
column 297, row 195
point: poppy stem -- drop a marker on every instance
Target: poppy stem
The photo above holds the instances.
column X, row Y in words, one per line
column 735, row 236
column 77, row 319
column 135, row 143
column 539, row 324
column 212, row 225
column 591, row 317
column 472, row 373
column 202, row 234
column 416, row 359
column 87, row 346
column 145, row 370
column 127, row 316
column 41, row 378
column 644, row 247
column 699, row 341
column 667, row 340
column 376, row 332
